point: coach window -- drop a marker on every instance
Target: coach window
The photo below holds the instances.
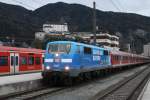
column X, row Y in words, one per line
column 42, row 60
column 23, row 60
column 117, row 57
column 37, row 61
column 31, row 60
column 87, row 50
column 3, row 61
column 16, row 60
column 12, row 60
column 113, row 57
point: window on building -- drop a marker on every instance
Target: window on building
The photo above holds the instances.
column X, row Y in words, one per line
column 3, row 60
column 87, row 50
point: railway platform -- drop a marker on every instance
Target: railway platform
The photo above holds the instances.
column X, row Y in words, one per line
column 145, row 94
column 19, row 83
column 4, row 80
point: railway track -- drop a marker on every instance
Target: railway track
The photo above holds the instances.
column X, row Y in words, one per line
column 41, row 91
column 128, row 89
column 31, row 94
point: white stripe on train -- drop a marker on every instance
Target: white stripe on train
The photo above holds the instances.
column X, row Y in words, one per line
column 49, row 60
column 62, row 60
column 66, row 60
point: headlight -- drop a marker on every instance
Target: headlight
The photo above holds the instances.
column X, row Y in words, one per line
column 67, row 68
column 48, row 67
column 56, row 54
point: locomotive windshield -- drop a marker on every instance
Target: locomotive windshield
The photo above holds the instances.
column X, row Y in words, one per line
column 59, row 48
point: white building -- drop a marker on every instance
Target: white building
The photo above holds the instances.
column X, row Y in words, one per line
column 40, row 35
column 147, row 50
column 55, row 27
column 106, row 40
column 52, row 29
column 86, row 36
column 103, row 39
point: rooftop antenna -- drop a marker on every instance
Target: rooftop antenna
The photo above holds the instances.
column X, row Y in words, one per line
column 94, row 22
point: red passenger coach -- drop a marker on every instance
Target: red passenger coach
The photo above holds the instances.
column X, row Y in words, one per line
column 119, row 58
column 20, row 60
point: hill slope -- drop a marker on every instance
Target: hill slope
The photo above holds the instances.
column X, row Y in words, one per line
column 132, row 28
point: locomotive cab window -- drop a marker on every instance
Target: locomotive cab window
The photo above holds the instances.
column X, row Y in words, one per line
column 59, row 48
column 3, row 61
column 87, row 50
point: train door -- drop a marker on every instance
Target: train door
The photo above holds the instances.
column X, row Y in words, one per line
column 87, row 58
column 16, row 59
column 77, row 55
column 14, row 63
column 42, row 61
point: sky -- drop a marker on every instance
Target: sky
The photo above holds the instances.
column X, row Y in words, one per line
column 129, row 6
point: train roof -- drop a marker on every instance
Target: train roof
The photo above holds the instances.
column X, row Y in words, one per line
column 126, row 54
column 119, row 52
column 87, row 45
column 30, row 50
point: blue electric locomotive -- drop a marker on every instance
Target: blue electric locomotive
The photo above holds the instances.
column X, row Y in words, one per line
column 66, row 58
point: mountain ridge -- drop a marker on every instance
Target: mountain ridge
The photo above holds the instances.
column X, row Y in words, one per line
column 21, row 22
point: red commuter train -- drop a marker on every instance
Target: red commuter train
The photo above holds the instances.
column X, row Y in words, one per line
column 15, row 60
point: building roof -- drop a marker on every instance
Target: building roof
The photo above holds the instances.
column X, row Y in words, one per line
column 57, row 23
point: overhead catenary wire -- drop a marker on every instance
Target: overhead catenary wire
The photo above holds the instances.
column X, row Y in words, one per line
column 23, row 4
column 120, row 5
column 100, row 6
column 115, row 5
column 39, row 2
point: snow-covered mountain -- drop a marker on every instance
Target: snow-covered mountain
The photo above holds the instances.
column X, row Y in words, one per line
column 130, row 6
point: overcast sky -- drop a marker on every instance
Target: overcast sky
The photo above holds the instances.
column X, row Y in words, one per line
column 132, row 6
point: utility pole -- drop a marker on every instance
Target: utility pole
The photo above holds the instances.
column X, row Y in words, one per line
column 94, row 23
